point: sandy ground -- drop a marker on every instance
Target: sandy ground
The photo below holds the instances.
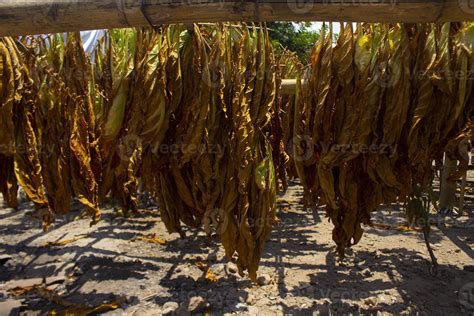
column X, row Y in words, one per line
column 388, row 272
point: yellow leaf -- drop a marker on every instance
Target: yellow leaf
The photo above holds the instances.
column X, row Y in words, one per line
column 402, row 228
column 201, row 265
column 209, row 275
column 151, row 238
column 63, row 242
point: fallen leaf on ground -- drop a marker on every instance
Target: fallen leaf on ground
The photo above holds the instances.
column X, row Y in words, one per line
column 402, row 228
column 209, row 275
column 151, row 238
column 63, row 242
column 71, row 308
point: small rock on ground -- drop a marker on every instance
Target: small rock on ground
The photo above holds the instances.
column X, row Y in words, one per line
column 197, row 304
column 170, row 308
column 264, row 279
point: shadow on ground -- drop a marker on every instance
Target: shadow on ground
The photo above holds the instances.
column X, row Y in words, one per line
column 107, row 257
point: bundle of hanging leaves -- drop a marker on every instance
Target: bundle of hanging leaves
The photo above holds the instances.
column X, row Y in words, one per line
column 289, row 67
column 212, row 163
column 188, row 121
column 183, row 114
column 193, row 117
column 48, row 142
column 380, row 104
column 11, row 87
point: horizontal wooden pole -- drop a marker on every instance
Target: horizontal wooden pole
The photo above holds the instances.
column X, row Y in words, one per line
column 288, row 87
column 22, row 17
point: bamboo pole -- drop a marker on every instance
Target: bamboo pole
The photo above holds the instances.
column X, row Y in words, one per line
column 447, row 199
column 22, row 17
column 462, row 193
column 288, row 87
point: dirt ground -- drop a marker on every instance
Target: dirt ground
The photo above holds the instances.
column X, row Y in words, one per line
column 388, row 272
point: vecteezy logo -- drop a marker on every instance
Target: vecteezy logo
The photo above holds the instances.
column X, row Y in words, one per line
column 387, row 75
column 216, row 218
column 466, row 297
column 301, row 148
column 467, row 6
column 214, row 78
column 128, row 145
column 300, row 6
column 464, row 149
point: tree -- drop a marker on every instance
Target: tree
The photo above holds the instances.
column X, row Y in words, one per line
column 297, row 37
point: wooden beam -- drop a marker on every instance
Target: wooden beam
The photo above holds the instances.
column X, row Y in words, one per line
column 21, row 17
column 288, row 87
column 447, row 199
